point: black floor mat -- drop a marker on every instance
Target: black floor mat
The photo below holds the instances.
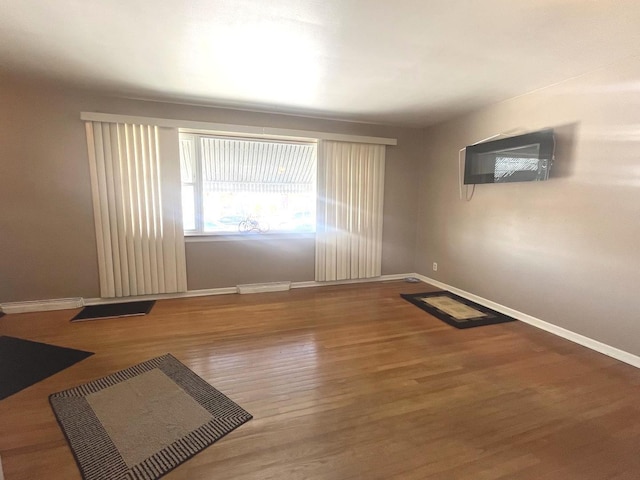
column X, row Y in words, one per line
column 111, row 310
column 23, row 363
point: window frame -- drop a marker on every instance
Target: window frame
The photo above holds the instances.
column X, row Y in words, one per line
column 199, row 234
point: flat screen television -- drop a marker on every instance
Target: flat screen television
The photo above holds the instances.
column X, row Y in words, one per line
column 523, row 158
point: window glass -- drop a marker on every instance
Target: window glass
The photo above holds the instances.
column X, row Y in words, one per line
column 232, row 185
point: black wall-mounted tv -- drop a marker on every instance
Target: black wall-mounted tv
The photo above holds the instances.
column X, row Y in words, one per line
column 523, row 158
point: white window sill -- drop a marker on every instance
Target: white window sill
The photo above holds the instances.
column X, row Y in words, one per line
column 245, row 237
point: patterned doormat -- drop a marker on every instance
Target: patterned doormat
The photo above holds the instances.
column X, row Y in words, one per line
column 455, row 310
column 23, row 363
column 143, row 421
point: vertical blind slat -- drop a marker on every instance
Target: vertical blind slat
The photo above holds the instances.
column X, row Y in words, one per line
column 151, row 210
column 120, row 264
column 93, row 141
column 133, row 155
column 144, row 161
column 111, row 145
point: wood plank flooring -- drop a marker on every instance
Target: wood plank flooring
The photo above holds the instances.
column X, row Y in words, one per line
column 351, row 382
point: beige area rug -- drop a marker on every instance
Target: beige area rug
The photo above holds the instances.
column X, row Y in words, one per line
column 144, row 421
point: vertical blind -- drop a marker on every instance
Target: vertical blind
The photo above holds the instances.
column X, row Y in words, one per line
column 349, row 215
column 135, row 180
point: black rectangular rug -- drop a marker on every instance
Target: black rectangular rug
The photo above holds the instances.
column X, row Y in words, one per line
column 142, row 422
column 455, row 310
column 112, row 310
column 23, row 363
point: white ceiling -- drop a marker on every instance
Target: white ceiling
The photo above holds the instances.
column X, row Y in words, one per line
column 406, row 62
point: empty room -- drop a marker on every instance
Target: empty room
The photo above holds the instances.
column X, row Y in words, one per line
column 320, row 240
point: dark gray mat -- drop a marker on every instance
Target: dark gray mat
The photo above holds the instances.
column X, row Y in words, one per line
column 113, row 310
column 23, row 363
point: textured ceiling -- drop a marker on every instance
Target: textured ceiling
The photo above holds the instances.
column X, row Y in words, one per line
column 406, row 62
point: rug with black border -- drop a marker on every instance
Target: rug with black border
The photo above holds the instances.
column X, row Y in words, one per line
column 455, row 310
column 114, row 310
column 144, row 421
column 24, row 362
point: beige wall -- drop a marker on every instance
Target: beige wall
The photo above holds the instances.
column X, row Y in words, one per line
column 254, row 260
column 566, row 251
column 47, row 238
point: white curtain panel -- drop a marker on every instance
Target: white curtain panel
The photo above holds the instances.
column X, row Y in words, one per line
column 349, row 214
column 135, row 180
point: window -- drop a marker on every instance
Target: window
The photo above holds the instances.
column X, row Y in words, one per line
column 240, row 185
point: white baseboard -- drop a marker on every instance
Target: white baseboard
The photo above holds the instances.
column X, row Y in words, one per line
column 382, row 278
column 600, row 347
column 68, row 303
column 41, row 305
column 163, row 296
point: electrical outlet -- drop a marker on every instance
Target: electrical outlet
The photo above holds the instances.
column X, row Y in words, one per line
column 435, row 266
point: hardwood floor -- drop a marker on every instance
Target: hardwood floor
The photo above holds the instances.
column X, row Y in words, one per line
column 351, row 382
